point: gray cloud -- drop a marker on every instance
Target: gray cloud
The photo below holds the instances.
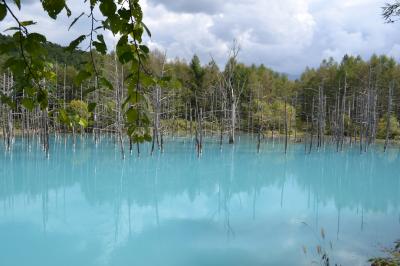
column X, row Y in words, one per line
column 198, row 6
column 287, row 35
column 28, row 2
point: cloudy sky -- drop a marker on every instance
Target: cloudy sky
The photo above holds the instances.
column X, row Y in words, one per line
column 286, row 35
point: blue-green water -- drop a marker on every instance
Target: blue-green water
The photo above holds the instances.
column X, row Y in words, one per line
column 232, row 206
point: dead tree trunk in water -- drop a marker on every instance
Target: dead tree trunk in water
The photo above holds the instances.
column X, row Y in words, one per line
column 8, row 122
column 157, row 93
column 337, row 120
column 312, row 126
column 305, row 135
column 233, row 90
column 233, row 120
column 286, row 127
column 199, row 132
column 259, row 134
column 342, row 121
column 157, row 111
column 221, row 136
column 295, row 119
column 389, row 113
column 191, row 121
column 95, row 123
column 260, row 124
column 321, row 117
column 222, row 111
column 45, row 132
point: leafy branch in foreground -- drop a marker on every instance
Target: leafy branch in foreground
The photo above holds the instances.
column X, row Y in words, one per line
column 123, row 19
column 391, row 11
column 27, row 61
column 34, row 76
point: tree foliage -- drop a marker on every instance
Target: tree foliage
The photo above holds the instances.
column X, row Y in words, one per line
column 28, row 59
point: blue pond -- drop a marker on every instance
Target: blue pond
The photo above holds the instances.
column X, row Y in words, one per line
column 84, row 206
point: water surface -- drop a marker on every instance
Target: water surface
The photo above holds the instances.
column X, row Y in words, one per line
column 86, row 206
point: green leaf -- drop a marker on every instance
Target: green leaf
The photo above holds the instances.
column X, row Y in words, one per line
column 147, row 80
column 131, row 130
column 100, row 45
column 103, row 81
column 113, row 23
column 91, row 107
column 82, row 75
column 3, row 11
column 124, row 50
column 126, row 101
column 132, row 115
column 7, row 100
column 147, row 29
column 27, row 23
column 33, row 44
column 53, row 7
column 144, row 48
column 83, row 122
column 17, row 65
column 145, row 119
column 123, row 41
column 125, row 57
column 36, row 37
column 63, row 116
column 30, row 91
column 124, row 13
column 32, row 47
column 100, row 38
column 7, row 47
column 137, row 12
column 12, row 28
column 138, row 32
column 18, row 3
column 28, row 103
column 89, row 90
column 93, row 3
column 72, row 46
column 75, row 20
column 108, row 7
column 42, row 99
column 166, row 78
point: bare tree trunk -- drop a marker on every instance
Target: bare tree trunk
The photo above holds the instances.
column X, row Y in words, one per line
column 312, row 126
column 221, row 131
column 191, row 121
column 157, row 111
column 233, row 119
column 389, row 113
column 286, row 127
column 305, row 135
column 343, row 114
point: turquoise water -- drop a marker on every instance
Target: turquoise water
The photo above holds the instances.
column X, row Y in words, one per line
column 229, row 207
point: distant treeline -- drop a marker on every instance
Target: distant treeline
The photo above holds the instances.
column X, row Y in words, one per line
column 349, row 101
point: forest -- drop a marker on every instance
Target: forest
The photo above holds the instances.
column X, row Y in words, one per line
column 340, row 102
column 142, row 95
